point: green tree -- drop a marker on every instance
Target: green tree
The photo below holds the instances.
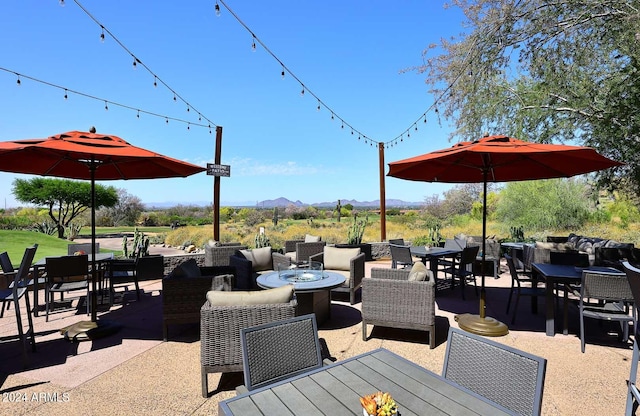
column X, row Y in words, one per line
column 125, row 212
column 65, row 199
column 558, row 204
column 545, row 71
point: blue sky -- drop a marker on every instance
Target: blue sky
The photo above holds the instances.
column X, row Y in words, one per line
column 348, row 53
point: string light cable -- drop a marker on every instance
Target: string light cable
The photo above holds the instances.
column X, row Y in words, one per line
column 137, row 62
column 106, row 102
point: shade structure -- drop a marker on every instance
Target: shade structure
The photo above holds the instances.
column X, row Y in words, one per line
column 497, row 159
column 89, row 156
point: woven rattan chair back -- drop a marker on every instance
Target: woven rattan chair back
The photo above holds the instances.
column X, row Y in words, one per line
column 279, row 350
column 608, row 286
column 5, row 263
column 400, row 256
column 306, row 250
column 509, row 377
column 397, row 241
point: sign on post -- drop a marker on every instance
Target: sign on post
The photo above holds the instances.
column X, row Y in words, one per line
column 218, row 170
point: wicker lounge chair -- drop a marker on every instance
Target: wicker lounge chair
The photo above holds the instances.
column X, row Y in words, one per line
column 219, row 255
column 509, row 377
column 352, row 269
column 390, row 299
column 183, row 296
column 220, row 349
column 633, row 394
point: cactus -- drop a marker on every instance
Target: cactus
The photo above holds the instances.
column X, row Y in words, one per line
column 517, row 233
column 275, row 216
column 355, row 232
column 261, row 240
column 140, row 245
column 434, row 235
column 339, row 209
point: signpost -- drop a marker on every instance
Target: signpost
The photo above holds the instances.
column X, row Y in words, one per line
column 217, row 170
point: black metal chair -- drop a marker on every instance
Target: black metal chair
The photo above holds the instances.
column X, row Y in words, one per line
column 279, row 350
column 633, row 394
column 463, row 269
column 400, row 256
column 64, row 274
column 17, row 291
column 511, row 378
column 517, row 282
column 606, row 296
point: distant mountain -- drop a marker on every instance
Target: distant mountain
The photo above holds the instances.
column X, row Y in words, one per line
column 284, row 202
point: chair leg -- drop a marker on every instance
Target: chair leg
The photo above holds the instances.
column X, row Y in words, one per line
column 30, row 321
column 2, row 312
column 432, row 337
column 23, row 341
column 135, row 282
column 205, row 383
column 510, row 296
column 581, row 332
column 515, row 308
column 364, row 331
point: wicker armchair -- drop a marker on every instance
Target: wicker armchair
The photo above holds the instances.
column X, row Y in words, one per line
column 219, row 255
column 182, row 297
column 247, row 272
column 390, row 299
column 353, row 275
column 220, row 349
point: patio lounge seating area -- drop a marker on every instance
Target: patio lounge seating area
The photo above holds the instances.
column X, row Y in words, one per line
column 135, row 371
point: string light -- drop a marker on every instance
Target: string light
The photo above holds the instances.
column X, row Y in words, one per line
column 106, row 107
column 138, row 115
column 318, row 108
column 253, row 44
column 302, row 92
column 188, row 124
column 282, row 74
column 65, row 94
column 135, row 65
column 102, row 34
column 217, row 9
column 166, row 119
column 61, row 2
column 155, row 81
column 18, row 80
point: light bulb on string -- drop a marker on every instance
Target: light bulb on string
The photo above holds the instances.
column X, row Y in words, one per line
column 415, row 127
column 106, row 107
column 253, row 44
column 138, row 115
column 282, row 73
column 209, row 128
column 318, row 108
column 135, row 64
column 174, row 97
column 166, row 119
column 332, row 116
column 358, row 137
column 342, row 125
column 425, row 119
column 352, row 132
column 155, row 81
column 302, row 92
column 65, row 94
column 61, row 3
column 188, row 109
column 199, row 117
column 217, row 9
column 188, row 126
column 18, row 80
column 102, row 34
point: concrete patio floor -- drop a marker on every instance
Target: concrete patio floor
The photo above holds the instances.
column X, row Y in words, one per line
column 134, row 372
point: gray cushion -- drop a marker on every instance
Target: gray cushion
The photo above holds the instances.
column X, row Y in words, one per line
column 311, row 238
column 260, row 258
column 339, row 258
column 282, row 294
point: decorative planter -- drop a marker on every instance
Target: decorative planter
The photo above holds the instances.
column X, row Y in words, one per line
column 364, row 248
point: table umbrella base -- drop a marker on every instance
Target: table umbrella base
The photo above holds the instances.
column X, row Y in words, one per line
column 488, row 327
column 89, row 330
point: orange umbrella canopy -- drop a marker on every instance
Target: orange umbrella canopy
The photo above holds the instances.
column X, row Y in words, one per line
column 503, row 159
column 68, row 155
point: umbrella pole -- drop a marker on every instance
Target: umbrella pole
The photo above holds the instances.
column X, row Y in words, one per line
column 88, row 330
column 480, row 324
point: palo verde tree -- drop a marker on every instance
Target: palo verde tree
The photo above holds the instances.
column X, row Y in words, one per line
column 66, row 199
column 545, row 71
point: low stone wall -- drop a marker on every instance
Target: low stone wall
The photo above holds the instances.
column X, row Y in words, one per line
column 378, row 250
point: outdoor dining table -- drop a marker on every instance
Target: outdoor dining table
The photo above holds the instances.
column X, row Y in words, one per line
column 40, row 266
column 558, row 273
column 433, row 254
column 335, row 389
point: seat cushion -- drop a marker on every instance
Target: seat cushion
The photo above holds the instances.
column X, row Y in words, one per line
column 188, row 268
column 260, row 258
column 339, row 258
column 311, row 238
column 282, row 294
column 418, row 273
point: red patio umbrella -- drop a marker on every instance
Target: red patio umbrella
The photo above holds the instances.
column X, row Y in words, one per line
column 89, row 156
column 497, row 159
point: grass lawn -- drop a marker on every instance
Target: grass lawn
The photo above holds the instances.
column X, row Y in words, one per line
column 14, row 243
